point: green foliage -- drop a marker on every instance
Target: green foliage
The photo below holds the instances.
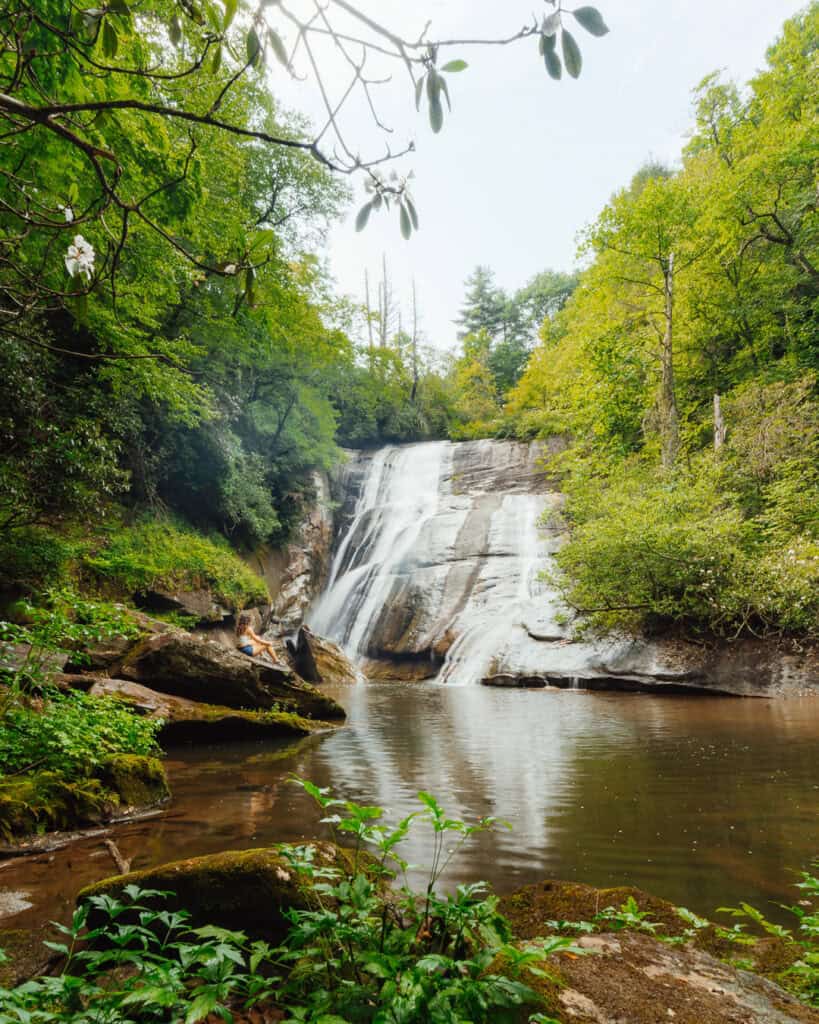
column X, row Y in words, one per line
column 72, row 733
column 34, row 558
column 648, row 550
column 361, row 954
column 802, row 977
column 702, row 282
column 164, row 554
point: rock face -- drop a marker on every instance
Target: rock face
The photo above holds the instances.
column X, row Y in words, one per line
column 205, row 671
column 319, row 660
column 636, row 979
column 296, row 574
column 199, row 604
column 441, row 563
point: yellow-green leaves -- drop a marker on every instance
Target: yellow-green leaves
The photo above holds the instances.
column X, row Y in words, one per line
column 230, row 12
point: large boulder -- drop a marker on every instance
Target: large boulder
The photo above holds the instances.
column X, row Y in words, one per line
column 632, row 978
column 635, row 978
column 245, row 890
column 319, row 660
column 188, row 721
column 179, row 664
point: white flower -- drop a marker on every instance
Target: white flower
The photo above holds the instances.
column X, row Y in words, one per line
column 230, row 268
column 80, row 258
column 68, row 213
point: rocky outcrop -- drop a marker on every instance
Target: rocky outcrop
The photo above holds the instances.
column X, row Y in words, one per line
column 296, row 573
column 632, row 978
column 247, row 890
column 319, row 660
column 188, row 721
column 181, row 665
column 41, row 801
column 199, row 604
column 635, row 978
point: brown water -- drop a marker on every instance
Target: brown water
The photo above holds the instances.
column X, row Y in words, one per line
column 704, row 801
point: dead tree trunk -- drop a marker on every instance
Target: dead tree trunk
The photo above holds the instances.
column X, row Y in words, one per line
column 414, row 343
column 669, row 415
column 369, row 308
column 719, row 425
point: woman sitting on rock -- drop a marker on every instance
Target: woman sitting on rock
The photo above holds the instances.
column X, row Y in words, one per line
column 250, row 643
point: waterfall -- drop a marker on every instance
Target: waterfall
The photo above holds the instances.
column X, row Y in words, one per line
column 441, row 565
column 399, row 496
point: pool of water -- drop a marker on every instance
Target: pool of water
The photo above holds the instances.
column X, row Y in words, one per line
column 704, row 801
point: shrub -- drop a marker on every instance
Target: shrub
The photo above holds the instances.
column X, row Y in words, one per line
column 648, row 549
column 72, row 733
column 33, row 558
column 163, row 554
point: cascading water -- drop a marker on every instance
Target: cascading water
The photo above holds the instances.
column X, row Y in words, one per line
column 399, row 496
column 442, row 564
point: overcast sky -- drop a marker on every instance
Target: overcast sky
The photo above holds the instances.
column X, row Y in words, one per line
column 523, row 162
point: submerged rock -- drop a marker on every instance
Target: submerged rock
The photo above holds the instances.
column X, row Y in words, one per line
column 204, row 670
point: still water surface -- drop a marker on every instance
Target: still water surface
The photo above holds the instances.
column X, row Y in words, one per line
column 704, row 801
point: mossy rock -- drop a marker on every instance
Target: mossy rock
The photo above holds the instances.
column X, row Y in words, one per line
column 137, row 781
column 245, row 890
column 633, row 978
column 45, row 801
column 530, row 908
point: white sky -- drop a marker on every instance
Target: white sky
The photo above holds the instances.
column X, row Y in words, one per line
column 523, row 162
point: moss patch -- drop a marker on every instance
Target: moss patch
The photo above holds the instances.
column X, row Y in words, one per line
column 530, row 908
column 46, row 801
column 209, row 723
column 137, row 781
column 169, row 555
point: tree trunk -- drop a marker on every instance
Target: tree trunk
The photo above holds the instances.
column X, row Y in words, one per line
column 369, row 308
column 669, row 416
column 719, row 425
column 414, row 343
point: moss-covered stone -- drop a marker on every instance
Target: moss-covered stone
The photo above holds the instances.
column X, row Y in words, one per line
column 531, row 908
column 247, row 890
column 136, row 780
column 47, row 802
column 44, row 802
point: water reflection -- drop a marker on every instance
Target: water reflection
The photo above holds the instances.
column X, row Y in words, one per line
column 704, row 801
